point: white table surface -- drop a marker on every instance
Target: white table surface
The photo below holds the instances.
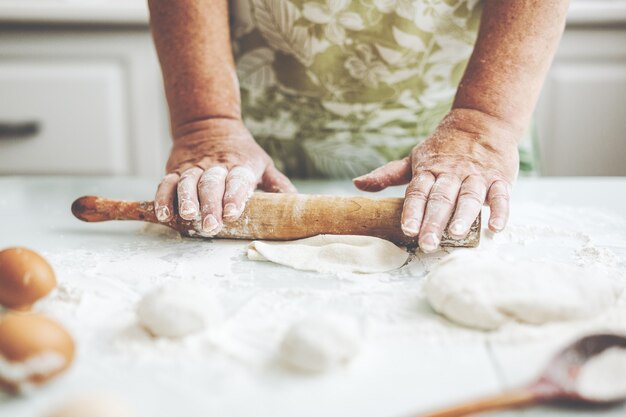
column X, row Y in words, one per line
column 399, row 377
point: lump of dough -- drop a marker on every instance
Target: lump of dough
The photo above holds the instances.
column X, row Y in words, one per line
column 321, row 343
column 332, row 253
column 484, row 291
column 178, row 310
column 93, row 405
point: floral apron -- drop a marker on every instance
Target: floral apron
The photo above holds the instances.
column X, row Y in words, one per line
column 336, row 88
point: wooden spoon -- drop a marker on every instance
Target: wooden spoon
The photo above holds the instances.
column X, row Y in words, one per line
column 556, row 383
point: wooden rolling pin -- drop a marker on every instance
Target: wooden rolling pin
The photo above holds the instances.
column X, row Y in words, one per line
column 283, row 217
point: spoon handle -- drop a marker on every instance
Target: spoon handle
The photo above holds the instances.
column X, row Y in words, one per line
column 508, row 399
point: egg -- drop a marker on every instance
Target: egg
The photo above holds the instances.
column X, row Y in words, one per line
column 33, row 349
column 25, row 277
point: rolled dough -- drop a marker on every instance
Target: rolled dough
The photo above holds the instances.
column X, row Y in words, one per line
column 484, row 291
column 321, row 343
column 332, row 253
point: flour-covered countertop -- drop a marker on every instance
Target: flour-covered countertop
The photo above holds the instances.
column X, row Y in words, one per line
column 411, row 361
column 135, row 12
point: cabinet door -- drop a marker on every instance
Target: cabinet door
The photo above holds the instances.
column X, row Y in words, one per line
column 62, row 117
column 582, row 111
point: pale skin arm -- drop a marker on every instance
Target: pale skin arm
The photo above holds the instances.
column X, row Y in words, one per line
column 215, row 164
column 472, row 157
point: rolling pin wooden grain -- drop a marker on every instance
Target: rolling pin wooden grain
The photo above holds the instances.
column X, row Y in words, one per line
column 270, row 216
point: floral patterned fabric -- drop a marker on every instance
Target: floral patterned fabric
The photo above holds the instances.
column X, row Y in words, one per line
column 336, row 88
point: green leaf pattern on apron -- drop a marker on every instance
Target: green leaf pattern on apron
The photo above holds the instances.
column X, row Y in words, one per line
column 336, row 88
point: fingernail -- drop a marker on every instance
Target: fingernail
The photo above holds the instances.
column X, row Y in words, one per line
column 162, row 213
column 230, row 210
column 458, row 227
column 210, row 224
column 429, row 243
column 411, row 227
column 187, row 209
column 497, row 223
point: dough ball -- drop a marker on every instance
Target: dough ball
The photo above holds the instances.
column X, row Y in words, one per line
column 332, row 253
column 33, row 349
column 603, row 377
column 319, row 344
column 178, row 310
column 25, row 277
column 93, row 405
column 484, row 291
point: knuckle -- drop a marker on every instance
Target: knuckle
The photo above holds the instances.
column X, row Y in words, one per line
column 440, row 197
column 501, row 196
column 416, row 194
column 472, row 195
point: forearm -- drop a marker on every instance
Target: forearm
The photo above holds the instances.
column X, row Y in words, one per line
column 193, row 43
column 515, row 46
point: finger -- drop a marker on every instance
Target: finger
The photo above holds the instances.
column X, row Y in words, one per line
column 390, row 174
column 210, row 194
column 439, row 208
column 415, row 201
column 188, row 193
column 275, row 181
column 240, row 184
column 498, row 200
column 470, row 202
column 164, row 198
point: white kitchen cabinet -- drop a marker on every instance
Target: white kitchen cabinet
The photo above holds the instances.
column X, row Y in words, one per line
column 43, row 125
column 78, row 100
column 582, row 111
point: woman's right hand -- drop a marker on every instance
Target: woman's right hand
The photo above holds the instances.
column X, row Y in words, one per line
column 214, row 167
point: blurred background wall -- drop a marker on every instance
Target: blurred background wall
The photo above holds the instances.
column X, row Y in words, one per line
column 81, row 93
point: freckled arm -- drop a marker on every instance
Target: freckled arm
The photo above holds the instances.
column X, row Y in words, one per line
column 192, row 39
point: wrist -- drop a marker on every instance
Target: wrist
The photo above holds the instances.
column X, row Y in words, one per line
column 484, row 125
column 218, row 126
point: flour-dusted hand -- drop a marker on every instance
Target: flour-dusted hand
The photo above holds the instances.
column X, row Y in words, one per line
column 469, row 160
column 213, row 168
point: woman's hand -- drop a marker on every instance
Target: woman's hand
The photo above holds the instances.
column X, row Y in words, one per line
column 470, row 159
column 214, row 167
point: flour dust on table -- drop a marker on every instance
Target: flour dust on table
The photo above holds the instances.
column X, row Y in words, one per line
column 484, row 291
column 99, row 288
column 332, row 253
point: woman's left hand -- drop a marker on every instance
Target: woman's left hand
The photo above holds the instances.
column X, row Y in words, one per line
column 471, row 159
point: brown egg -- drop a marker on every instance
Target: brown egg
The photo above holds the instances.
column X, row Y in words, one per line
column 33, row 349
column 25, row 277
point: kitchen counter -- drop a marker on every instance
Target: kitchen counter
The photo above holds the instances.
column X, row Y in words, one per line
column 134, row 12
column 412, row 361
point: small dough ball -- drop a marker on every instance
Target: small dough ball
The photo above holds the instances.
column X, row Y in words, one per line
column 33, row 349
column 94, row 405
column 484, row 291
column 178, row 310
column 25, row 277
column 319, row 344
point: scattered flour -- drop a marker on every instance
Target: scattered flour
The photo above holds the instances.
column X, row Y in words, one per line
column 20, row 373
column 102, row 284
column 603, row 377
